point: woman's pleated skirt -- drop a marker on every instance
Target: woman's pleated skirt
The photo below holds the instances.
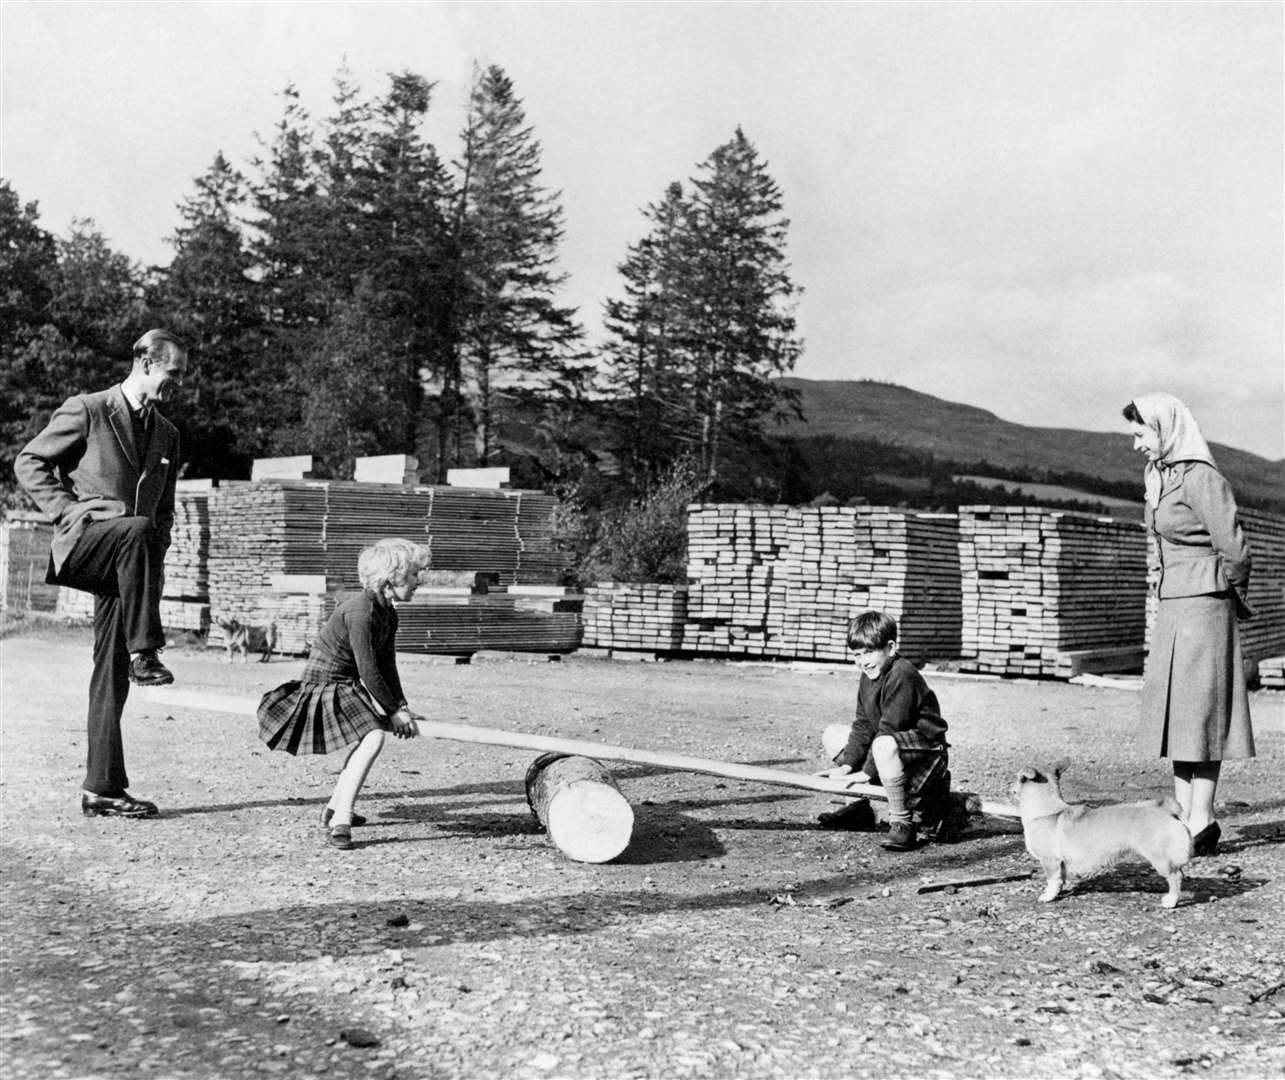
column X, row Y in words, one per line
column 1194, row 698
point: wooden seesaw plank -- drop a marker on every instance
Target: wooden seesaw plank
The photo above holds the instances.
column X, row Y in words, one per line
column 436, row 729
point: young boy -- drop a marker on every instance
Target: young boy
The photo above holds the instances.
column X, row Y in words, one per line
column 898, row 738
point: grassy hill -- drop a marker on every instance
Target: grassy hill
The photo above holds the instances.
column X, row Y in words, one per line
column 963, row 434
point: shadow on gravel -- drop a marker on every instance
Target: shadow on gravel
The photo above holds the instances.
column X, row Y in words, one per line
column 275, row 934
column 1143, row 879
column 1245, row 837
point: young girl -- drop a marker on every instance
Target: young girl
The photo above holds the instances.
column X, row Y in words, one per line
column 350, row 693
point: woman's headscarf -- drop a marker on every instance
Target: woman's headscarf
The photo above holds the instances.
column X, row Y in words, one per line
column 1180, row 438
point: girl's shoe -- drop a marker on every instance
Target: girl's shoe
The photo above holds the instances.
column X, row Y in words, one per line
column 1205, row 842
column 340, row 836
column 327, row 814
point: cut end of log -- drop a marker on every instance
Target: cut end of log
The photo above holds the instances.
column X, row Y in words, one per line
column 590, row 822
column 580, row 806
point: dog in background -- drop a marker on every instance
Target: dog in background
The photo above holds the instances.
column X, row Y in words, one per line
column 1073, row 841
column 239, row 637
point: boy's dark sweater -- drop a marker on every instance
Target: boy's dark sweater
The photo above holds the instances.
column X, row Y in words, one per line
column 899, row 700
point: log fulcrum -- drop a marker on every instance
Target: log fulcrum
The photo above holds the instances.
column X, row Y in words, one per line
column 436, row 729
column 580, row 806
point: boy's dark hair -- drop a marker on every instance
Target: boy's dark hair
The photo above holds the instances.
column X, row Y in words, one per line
column 871, row 630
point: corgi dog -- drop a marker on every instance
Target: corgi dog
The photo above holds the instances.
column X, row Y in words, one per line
column 239, row 637
column 1073, row 841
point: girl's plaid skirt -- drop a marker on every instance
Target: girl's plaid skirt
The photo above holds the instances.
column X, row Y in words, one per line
column 316, row 718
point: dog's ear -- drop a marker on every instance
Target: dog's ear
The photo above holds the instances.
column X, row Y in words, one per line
column 1031, row 775
column 1059, row 767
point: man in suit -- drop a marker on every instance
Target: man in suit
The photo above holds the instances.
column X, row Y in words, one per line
column 104, row 470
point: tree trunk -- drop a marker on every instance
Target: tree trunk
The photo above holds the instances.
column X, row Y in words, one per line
column 580, row 806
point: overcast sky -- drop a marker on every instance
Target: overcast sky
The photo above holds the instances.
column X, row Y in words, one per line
column 1039, row 209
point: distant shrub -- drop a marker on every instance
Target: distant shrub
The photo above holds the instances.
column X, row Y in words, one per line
column 645, row 540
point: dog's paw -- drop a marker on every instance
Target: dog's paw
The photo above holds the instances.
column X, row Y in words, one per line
column 1169, row 901
column 1050, row 894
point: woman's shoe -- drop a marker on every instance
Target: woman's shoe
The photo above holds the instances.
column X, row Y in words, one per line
column 327, row 814
column 1205, row 842
column 340, row 836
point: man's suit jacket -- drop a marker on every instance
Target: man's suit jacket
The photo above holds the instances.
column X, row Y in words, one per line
column 84, row 467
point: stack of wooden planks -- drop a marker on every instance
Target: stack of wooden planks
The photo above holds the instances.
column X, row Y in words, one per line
column 908, row 565
column 261, row 530
column 1046, row 592
column 734, row 557
column 185, row 601
column 784, row 582
column 463, row 623
column 1271, row 672
column 1263, row 636
column 618, row 615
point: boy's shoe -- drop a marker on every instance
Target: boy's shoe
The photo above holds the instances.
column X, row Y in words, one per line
column 858, row 815
column 340, row 836
column 902, row 836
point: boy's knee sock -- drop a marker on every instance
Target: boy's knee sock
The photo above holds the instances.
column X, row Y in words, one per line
column 898, row 808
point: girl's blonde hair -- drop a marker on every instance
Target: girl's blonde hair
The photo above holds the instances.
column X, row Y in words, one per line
column 391, row 561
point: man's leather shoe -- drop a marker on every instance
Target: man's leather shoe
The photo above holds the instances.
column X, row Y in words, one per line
column 146, row 670
column 122, row 805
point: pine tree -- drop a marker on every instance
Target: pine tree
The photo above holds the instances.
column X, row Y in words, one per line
column 29, row 270
column 741, row 296
column 707, row 322
column 92, row 310
column 210, row 297
column 509, row 331
column 410, row 201
column 648, row 346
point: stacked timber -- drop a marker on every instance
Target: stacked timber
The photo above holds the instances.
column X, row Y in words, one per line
column 908, row 565
column 816, row 585
column 265, row 532
column 733, row 552
column 185, row 600
column 784, row 582
column 618, row 615
column 1271, row 673
column 465, row 623
column 1263, row 636
column 1047, row 592
column 540, row 557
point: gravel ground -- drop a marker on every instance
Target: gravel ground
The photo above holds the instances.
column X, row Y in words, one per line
column 733, row 939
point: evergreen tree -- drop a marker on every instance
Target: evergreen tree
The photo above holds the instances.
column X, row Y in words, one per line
column 707, row 323
column 210, row 297
column 648, row 347
column 741, row 296
column 29, row 270
column 509, row 331
column 411, row 195
column 92, row 311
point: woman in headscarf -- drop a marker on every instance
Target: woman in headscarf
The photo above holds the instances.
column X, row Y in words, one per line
column 1194, row 694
